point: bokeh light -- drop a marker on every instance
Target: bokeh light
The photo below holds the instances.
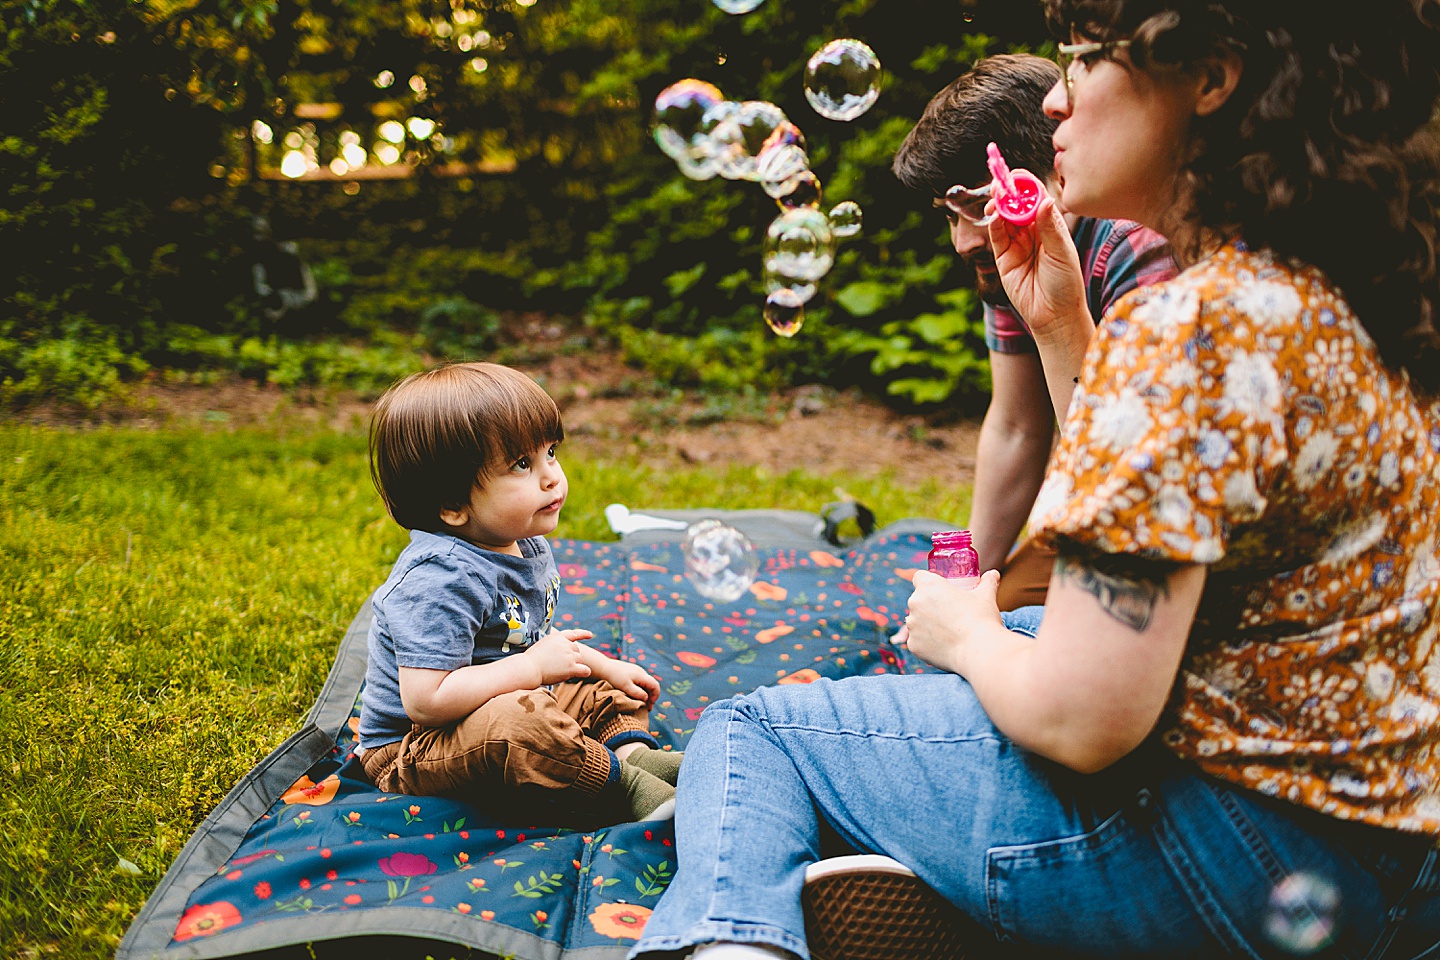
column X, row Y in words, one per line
column 261, row 131
column 293, row 164
column 1303, row 914
column 392, row 130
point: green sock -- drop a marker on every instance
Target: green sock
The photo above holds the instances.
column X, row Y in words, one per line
column 644, row 790
column 664, row 764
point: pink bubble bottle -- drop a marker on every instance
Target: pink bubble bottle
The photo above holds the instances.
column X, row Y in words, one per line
column 1017, row 193
column 952, row 557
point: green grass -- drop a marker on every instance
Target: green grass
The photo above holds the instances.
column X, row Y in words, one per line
column 169, row 605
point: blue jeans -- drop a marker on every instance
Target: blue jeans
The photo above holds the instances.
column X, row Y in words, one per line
column 1148, row 858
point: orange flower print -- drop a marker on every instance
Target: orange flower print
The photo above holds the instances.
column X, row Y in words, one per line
column 768, row 591
column 773, row 633
column 310, row 793
column 623, row 921
column 695, row 659
column 642, row 565
column 865, row 613
column 487, row 914
column 822, row 559
column 800, row 676
column 205, row 919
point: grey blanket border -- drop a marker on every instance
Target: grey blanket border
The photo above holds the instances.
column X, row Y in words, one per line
column 216, row 840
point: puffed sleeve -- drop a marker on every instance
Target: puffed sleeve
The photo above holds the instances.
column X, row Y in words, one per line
column 1177, row 430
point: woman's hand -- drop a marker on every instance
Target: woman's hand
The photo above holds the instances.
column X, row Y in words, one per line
column 946, row 617
column 1040, row 270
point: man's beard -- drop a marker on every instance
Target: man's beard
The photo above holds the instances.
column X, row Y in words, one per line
column 987, row 282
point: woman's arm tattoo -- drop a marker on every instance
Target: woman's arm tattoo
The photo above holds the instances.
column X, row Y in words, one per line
column 1128, row 588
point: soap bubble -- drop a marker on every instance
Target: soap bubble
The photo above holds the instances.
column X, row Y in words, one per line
column 1303, row 914
column 680, row 112
column 805, row 194
column 720, row 561
column 738, row 6
column 799, row 290
column 784, row 134
column 783, row 313
column 779, row 168
column 799, row 245
column 741, row 135
column 679, row 109
column 842, row 79
column 845, row 219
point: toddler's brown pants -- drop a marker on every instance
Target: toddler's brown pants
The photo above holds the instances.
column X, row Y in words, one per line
column 558, row 739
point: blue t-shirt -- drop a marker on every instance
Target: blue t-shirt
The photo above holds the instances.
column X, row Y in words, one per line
column 447, row 604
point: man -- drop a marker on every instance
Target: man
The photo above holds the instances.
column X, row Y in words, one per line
column 999, row 99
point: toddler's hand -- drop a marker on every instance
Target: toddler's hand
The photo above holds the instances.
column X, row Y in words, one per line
column 634, row 681
column 558, row 658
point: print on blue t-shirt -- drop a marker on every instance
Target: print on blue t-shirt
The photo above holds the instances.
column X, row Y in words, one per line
column 447, row 604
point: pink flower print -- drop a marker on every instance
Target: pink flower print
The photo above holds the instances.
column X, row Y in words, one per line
column 407, row 865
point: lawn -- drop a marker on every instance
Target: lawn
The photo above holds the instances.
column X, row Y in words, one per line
column 169, row 606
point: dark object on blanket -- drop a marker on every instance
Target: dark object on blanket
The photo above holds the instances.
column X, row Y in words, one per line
column 305, row 854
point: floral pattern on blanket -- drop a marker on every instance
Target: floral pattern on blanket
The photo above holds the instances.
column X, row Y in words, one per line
column 334, row 843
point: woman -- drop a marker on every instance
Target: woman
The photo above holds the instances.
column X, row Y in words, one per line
column 1233, row 692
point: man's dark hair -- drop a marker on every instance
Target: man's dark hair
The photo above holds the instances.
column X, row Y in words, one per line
column 998, row 99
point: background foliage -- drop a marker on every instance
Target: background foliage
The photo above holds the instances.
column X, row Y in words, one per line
column 132, row 180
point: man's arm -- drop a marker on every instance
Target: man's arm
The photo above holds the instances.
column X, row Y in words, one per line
column 1011, row 456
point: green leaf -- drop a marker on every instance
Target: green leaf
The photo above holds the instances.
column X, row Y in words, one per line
column 864, row 297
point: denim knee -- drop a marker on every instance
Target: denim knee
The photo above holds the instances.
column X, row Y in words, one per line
column 1024, row 620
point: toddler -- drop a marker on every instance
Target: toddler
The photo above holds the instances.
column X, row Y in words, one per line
column 469, row 692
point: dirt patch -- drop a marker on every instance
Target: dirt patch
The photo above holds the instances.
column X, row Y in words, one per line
column 610, row 410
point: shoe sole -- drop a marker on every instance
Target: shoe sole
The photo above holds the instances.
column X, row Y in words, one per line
column 870, row 907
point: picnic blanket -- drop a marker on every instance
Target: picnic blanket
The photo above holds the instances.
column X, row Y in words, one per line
column 304, row 852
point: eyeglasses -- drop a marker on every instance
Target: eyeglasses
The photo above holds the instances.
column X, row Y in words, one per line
column 969, row 204
column 1075, row 60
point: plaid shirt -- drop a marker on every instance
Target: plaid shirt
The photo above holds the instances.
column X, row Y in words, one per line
column 1116, row 255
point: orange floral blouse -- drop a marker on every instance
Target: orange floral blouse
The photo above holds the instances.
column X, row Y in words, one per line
column 1240, row 417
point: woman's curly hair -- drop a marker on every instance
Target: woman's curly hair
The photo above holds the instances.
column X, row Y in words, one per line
column 1326, row 152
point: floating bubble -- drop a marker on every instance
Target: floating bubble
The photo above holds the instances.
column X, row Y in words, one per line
column 799, row 290
column 784, row 134
column 842, row 79
column 1303, row 914
column 806, row 193
column 845, row 219
column 799, row 245
column 783, row 314
column 739, row 138
column 720, row 561
column 679, row 111
column 779, row 168
column 738, row 6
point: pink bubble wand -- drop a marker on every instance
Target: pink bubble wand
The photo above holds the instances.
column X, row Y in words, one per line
column 1017, row 193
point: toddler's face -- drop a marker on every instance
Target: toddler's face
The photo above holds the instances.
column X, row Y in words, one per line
column 514, row 501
